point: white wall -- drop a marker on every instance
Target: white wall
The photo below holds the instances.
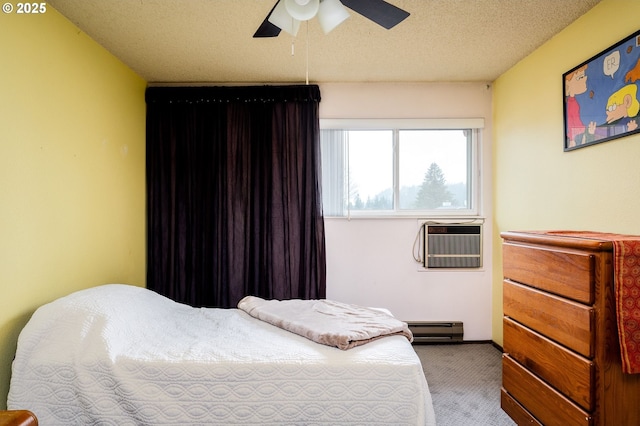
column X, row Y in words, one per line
column 370, row 261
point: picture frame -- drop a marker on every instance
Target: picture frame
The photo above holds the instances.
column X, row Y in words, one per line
column 601, row 96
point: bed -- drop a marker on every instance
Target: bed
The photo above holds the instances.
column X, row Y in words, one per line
column 124, row 355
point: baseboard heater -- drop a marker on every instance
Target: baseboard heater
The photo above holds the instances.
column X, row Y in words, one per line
column 436, row 332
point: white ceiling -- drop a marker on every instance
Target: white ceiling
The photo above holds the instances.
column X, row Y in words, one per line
column 211, row 41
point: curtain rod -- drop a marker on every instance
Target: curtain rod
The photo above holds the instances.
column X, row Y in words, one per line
column 227, row 94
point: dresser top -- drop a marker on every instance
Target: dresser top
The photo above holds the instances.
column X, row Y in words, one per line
column 585, row 240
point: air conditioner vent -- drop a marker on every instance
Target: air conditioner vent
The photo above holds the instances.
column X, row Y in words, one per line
column 452, row 246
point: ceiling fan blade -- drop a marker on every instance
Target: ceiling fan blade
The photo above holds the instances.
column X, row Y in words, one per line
column 267, row 29
column 379, row 11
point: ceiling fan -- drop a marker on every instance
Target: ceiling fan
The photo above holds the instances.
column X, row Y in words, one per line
column 287, row 14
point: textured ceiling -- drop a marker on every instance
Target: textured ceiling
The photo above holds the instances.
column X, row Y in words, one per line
column 200, row 41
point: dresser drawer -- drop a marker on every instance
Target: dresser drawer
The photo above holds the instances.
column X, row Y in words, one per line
column 566, row 273
column 566, row 322
column 516, row 411
column 566, row 371
column 546, row 404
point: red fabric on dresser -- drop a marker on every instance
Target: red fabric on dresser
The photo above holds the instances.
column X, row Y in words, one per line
column 626, row 270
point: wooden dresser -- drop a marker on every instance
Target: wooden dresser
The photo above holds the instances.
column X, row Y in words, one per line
column 17, row 418
column 561, row 362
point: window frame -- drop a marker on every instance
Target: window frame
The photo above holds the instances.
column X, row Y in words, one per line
column 475, row 125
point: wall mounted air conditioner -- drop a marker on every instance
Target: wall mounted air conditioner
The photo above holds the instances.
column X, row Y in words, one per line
column 452, row 246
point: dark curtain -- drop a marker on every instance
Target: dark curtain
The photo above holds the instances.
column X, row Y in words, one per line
column 233, row 194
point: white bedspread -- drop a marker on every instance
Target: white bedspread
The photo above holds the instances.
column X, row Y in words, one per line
column 123, row 355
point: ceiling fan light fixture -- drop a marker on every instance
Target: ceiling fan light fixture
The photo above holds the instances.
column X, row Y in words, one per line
column 281, row 18
column 302, row 10
column 331, row 13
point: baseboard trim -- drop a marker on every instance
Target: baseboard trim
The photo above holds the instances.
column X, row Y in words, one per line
column 460, row 342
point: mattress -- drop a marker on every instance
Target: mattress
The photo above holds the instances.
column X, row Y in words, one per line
column 124, row 355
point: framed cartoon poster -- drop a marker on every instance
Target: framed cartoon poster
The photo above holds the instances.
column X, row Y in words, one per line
column 601, row 96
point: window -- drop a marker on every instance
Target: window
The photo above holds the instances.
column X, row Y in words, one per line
column 400, row 167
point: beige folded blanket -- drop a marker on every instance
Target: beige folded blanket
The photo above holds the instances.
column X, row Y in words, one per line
column 324, row 321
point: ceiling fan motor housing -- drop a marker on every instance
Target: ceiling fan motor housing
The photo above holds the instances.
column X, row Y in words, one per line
column 302, row 10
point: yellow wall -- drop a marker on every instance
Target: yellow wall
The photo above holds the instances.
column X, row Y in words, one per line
column 72, row 184
column 536, row 184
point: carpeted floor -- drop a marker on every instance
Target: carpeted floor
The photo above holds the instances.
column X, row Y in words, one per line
column 464, row 380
